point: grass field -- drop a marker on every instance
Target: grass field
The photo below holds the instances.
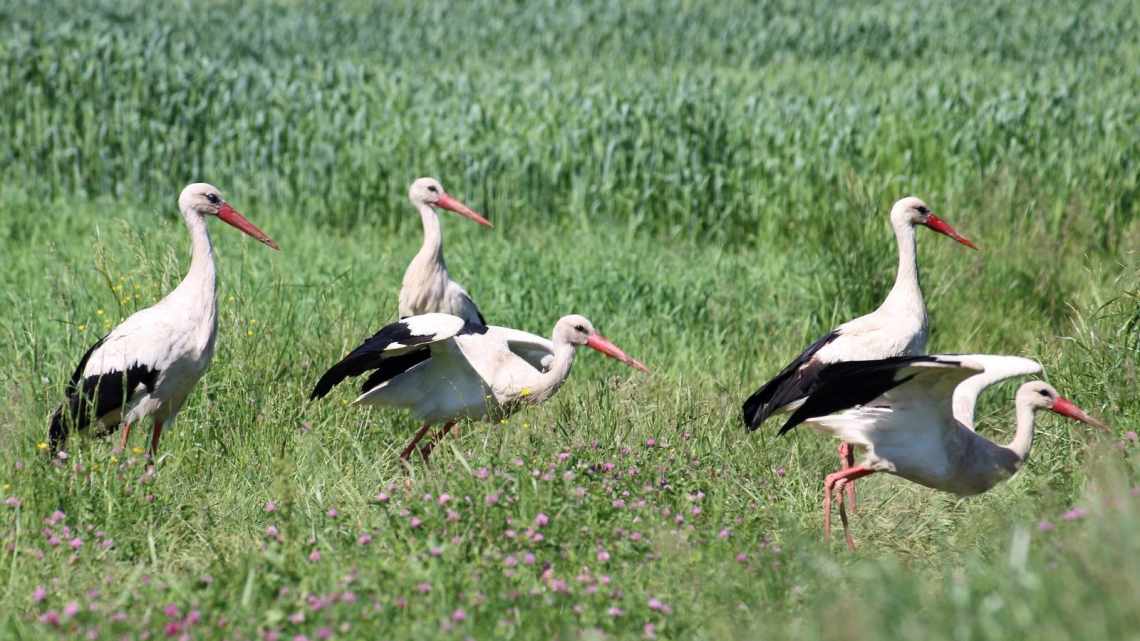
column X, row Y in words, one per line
column 708, row 183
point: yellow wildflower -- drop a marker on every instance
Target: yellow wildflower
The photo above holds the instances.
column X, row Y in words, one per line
column 98, row 312
column 41, row 446
column 136, row 450
column 525, row 392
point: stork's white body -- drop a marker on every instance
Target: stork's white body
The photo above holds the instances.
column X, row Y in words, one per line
column 899, row 327
column 148, row 365
column 910, row 430
column 901, row 413
column 442, row 368
column 478, row 376
column 175, row 338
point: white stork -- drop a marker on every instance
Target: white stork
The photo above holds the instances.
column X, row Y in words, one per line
column 900, row 411
column 897, row 328
column 427, row 287
column 444, row 369
column 149, row 363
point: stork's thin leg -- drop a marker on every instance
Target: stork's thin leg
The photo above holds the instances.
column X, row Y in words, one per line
column 155, row 434
column 847, row 461
column 829, row 486
column 415, row 440
column 436, row 439
column 843, row 515
column 126, row 435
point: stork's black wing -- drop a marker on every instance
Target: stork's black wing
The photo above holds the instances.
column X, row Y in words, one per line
column 793, row 382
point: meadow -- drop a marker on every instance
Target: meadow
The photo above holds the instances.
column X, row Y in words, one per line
column 709, row 183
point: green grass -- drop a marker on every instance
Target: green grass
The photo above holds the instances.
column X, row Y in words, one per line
column 709, row 184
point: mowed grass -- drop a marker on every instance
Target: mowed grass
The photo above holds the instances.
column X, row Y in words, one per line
column 708, row 184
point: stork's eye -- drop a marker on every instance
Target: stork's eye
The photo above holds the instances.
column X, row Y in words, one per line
column 214, row 199
column 433, row 189
column 1044, row 393
column 923, row 209
column 580, row 328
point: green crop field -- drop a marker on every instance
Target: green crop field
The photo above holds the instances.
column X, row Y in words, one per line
column 708, row 182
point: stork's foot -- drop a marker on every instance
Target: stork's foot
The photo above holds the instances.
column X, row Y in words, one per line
column 835, row 484
column 846, row 462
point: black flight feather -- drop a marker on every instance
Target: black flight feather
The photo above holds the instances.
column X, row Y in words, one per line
column 841, row 386
column 95, row 396
column 794, row 382
column 369, row 356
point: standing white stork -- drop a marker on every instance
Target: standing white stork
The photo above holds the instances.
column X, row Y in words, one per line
column 444, row 369
column 900, row 412
column 149, row 363
column 897, row 328
column 427, row 287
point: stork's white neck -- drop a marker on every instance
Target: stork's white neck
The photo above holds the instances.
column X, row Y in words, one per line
column 200, row 282
column 432, row 249
column 1023, row 437
column 907, row 292
column 559, row 369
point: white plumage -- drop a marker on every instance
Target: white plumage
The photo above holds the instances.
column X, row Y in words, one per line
column 148, row 364
column 899, row 327
column 469, row 372
column 900, row 412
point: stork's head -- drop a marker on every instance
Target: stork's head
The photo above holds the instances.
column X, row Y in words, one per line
column 428, row 191
column 204, row 199
column 912, row 211
column 1041, row 395
column 578, row 330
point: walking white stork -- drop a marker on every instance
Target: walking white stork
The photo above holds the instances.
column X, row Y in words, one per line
column 149, row 363
column 427, row 287
column 444, row 369
column 900, row 411
column 897, row 328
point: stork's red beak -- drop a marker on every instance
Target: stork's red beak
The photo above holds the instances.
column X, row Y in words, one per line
column 230, row 216
column 451, row 204
column 1067, row 408
column 942, row 227
column 603, row 345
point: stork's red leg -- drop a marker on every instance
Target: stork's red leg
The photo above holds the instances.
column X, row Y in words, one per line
column 155, row 434
column 126, row 435
column 846, row 462
column 831, row 484
column 415, row 441
column 436, row 439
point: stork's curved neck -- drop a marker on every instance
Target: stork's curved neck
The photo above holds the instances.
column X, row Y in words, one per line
column 201, row 281
column 907, row 292
column 1023, row 437
column 432, row 249
column 558, row 370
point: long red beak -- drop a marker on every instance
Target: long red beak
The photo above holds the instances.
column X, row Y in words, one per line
column 1065, row 407
column 603, row 345
column 230, row 216
column 942, row 227
column 451, row 204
